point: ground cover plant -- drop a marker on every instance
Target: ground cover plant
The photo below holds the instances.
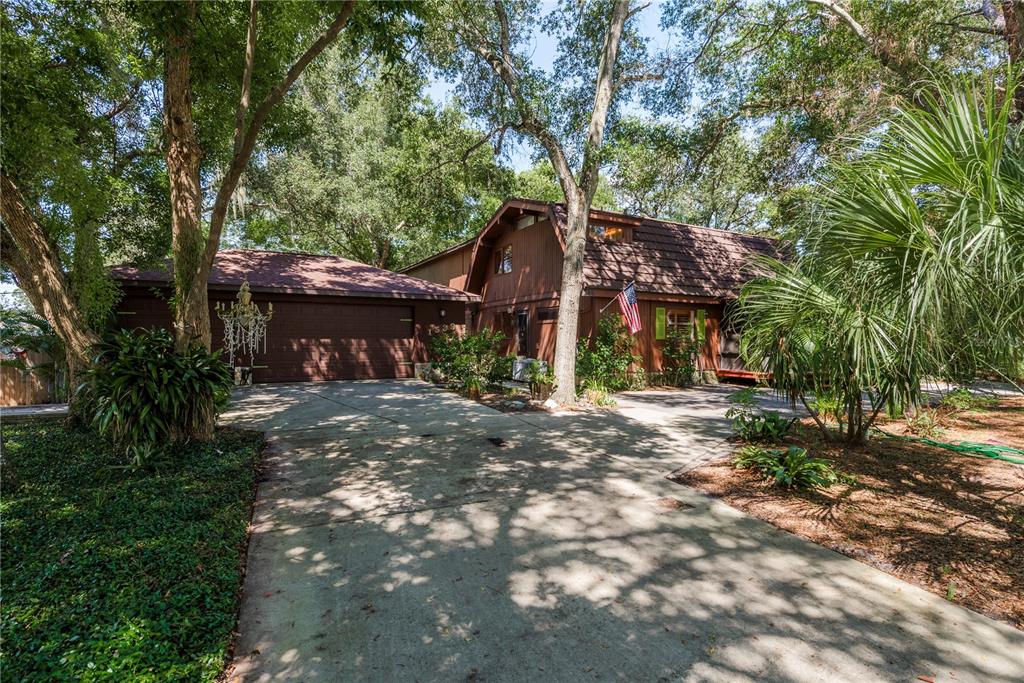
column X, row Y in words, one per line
column 944, row 520
column 790, row 467
column 117, row 573
column 541, row 378
column 962, row 399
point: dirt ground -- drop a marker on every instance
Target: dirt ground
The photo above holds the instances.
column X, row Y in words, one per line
column 950, row 523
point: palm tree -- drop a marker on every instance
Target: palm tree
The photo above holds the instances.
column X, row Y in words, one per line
column 913, row 262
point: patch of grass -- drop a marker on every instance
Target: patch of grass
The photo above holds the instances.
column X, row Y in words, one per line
column 116, row 574
column 962, row 399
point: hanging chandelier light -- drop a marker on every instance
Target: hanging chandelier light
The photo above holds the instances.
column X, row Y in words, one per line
column 245, row 329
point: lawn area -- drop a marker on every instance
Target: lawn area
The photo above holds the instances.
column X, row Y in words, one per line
column 121, row 575
column 950, row 523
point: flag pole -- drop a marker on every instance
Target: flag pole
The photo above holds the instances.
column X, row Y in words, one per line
column 631, row 282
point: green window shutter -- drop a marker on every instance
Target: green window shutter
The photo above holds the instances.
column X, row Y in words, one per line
column 659, row 323
column 700, row 326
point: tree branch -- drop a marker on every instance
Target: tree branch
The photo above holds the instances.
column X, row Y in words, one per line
column 712, row 32
column 602, row 97
column 882, row 53
column 504, row 41
column 123, row 104
column 244, row 151
column 986, row 30
column 243, row 101
column 640, row 77
column 466, row 154
column 529, row 121
column 637, row 10
column 841, row 13
column 36, row 265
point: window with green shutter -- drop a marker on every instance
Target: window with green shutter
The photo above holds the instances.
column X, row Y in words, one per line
column 659, row 323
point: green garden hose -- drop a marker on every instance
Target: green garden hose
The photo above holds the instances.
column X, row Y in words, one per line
column 986, row 450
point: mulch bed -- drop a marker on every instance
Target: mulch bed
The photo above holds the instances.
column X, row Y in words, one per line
column 509, row 403
column 950, row 523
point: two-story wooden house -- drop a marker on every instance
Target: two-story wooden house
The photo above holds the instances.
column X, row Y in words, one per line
column 683, row 274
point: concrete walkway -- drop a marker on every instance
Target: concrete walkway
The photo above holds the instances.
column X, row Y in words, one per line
column 405, row 534
column 42, row 411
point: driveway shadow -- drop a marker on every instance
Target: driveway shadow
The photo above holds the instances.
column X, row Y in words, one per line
column 404, row 533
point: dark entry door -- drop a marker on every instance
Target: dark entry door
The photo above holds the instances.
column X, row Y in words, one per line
column 523, row 333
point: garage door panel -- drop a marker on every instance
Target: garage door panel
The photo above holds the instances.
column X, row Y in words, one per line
column 350, row 321
column 338, row 341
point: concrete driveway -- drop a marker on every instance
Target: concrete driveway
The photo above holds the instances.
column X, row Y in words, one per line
column 405, row 534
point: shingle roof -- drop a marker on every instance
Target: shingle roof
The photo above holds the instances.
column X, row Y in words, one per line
column 674, row 258
column 305, row 274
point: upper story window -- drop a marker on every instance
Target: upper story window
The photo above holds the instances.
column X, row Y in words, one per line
column 607, row 233
column 503, row 260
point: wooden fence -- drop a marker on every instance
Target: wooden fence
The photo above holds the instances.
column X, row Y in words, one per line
column 20, row 388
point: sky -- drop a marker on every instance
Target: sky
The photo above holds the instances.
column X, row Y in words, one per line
column 543, row 57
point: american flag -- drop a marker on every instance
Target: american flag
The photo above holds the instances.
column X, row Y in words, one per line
column 630, row 310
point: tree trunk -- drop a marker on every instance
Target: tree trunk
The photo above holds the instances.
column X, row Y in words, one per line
column 1013, row 15
column 569, row 299
column 194, row 252
column 191, row 313
column 822, row 427
column 578, row 198
column 36, row 265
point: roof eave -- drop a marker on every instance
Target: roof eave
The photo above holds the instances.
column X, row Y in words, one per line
column 454, row 296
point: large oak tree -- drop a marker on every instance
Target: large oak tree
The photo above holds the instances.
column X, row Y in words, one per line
column 75, row 156
column 798, row 77
column 486, row 47
column 210, row 132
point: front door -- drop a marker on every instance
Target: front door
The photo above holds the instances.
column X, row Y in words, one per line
column 523, row 333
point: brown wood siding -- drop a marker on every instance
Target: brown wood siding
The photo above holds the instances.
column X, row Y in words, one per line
column 542, row 334
column 449, row 270
column 647, row 347
column 320, row 337
column 536, row 266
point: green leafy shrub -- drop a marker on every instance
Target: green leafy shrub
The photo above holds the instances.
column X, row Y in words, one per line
column 111, row 574
column 541, row 378
column 603, row 361
column 925, row 422
column 142, row 395
column 761, row 427
column 752, row 425
column 744, row 399
column 828, row 406
column 962, row 399
column 679, row 353
column 471, row 361
column 500, row 370
column 792, row 468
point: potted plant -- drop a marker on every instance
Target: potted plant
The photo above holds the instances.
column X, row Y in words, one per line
column 542, row 380
column 472, row 386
